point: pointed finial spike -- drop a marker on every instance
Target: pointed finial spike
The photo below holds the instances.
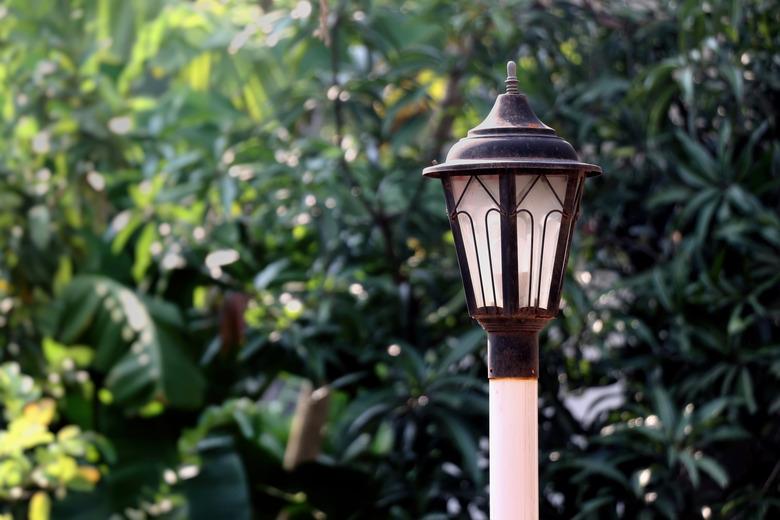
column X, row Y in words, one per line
column 511, row 78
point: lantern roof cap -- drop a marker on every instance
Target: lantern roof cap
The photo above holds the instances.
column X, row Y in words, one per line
column 511, row 137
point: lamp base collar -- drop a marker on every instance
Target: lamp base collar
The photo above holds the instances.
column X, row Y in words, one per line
column 513, row 355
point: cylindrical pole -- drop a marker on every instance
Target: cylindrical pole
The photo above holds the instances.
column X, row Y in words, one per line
column 514, row 459
column 513, row 368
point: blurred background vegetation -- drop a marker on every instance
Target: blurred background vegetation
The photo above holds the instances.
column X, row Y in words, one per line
column 215, row 243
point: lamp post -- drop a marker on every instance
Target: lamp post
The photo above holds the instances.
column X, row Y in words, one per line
column 513, row 190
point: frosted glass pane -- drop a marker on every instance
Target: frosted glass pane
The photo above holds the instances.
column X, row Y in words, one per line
column 480, row 224
column 538, row 227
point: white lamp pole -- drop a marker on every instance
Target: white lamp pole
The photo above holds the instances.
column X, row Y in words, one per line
column 514, row 459
column 513, row 191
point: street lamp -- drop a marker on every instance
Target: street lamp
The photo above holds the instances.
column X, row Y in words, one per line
column 513, row 190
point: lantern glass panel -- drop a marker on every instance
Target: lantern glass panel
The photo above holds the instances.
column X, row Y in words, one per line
column 478, row 213
column 539, row 210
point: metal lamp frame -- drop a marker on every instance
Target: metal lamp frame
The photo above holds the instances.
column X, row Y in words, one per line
column 513, row 143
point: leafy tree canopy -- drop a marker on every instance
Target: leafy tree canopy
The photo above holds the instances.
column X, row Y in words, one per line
column 215, row 243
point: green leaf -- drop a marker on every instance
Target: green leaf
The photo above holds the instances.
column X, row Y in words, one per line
column 591, row 467
column 464, row 440
column 690, row 466
column 228, row 193
column 702, row 160
column 78, row 305
column 357, row 447
column 64, row 274
column 661, row 289
column 143, row 251
column 467, row 344
column 368, row 415
column 220, row 490
column 183, row 384
column 665, row 408
column 39, row 221
column 743, row 199
column 711, row 410
column 746, row 388
column 591, row 506
column 123, row 226
column 703, row 221
column 56, row 353
column 714, row 470
column 144, row 356
column 669, row 195
column 685, row 79
column 270, row 273
column 725, row 433
column 736, row 323
column 40, row 506
column 734, row 77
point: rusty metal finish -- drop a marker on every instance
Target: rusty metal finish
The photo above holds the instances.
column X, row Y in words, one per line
column 509, row 259
column 513, row 144
column 524, row 321
column 513, row 355
column 511, row 137
column 457, row 236
column 573, row 196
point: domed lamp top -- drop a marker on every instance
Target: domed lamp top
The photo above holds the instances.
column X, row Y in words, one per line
column 511, row 138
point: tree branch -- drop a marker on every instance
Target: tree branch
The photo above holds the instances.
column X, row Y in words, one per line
column 453, row 99
column 379, row 218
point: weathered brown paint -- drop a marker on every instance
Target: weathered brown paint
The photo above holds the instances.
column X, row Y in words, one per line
column 511, row 142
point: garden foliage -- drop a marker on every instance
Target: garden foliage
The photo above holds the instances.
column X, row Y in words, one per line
column 210, row 206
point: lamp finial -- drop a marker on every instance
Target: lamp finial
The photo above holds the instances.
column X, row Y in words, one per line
column 511, row 78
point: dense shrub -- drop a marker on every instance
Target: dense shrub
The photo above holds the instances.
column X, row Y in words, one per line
column 212, row 208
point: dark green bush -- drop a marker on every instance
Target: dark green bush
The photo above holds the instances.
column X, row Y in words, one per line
column 207, row 205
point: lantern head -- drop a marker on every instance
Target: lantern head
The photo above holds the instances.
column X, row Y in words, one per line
column 513, row 190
